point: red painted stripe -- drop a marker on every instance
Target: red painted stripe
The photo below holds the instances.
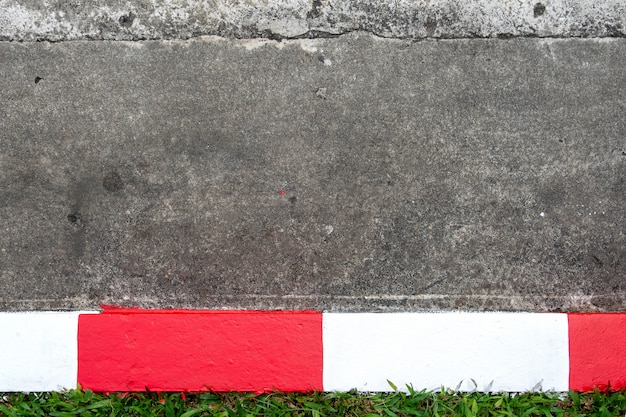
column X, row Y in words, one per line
column 597, row 348
column 135, row 350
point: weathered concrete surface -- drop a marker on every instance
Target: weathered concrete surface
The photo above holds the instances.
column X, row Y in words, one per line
column 57, row 20
column 473, row 174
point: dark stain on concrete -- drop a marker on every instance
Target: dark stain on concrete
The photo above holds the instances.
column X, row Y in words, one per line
column 431, row 25
column 75, row 218
column 539, row 9
column 127, row 20
column 315, row 10
column 112, row 182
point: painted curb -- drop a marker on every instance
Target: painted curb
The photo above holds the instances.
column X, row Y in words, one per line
column 260, row 351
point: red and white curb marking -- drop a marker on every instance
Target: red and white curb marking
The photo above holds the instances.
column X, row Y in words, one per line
column 179, row 350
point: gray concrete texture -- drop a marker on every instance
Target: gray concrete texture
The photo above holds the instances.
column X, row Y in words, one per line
column 354, row 173
column 58, row 20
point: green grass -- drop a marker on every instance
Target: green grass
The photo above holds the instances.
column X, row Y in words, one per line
column 314, row 404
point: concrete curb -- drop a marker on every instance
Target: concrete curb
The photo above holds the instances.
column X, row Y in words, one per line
column 178, row 350
column 181, row 19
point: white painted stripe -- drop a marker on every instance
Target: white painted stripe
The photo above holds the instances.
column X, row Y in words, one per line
column 499, row 351
column 39, row 351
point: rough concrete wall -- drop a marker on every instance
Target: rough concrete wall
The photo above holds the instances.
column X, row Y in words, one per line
column 58, row 20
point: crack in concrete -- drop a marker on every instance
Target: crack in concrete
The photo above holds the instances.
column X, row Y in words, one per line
column 314, row 35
